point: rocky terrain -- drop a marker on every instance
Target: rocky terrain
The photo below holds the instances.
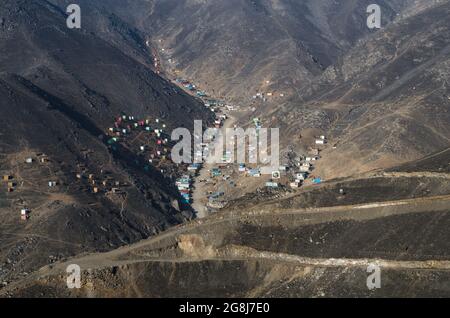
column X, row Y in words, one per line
column 325, row 71
column 93, row 198
column 238, row 48
column 385, row 102
column 316, row 243
column 60, row 91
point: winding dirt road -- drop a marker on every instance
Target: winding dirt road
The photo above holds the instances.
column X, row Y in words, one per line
column 139, row 252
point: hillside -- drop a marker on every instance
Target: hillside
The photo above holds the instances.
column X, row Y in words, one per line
column 384, row 102
column 235, row 49
column 86, row 175
column 314, row 243
column 60, row 92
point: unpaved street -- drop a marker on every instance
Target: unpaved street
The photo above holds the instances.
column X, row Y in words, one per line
column 199, row 199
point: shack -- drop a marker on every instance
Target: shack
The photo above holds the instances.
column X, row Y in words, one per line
column 24, row 214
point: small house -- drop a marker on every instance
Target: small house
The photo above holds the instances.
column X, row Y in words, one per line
column 192, row 168
column 29, row 160
column 254, row 173
column 52, row 184
column 24, row 214
column 320, row 142
column 304, row 169
column 7, row 177
column 216, row 172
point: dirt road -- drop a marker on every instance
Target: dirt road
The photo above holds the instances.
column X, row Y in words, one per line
column 147, row 250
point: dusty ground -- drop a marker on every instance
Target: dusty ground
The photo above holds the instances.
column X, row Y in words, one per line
column 273, row 252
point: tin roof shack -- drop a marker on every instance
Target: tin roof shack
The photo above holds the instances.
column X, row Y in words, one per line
column 194, row 167
column 320, row 142
column 317, row 180
column 52, row 184
column 24, row 214
column 254, row 173
column 272, row 185
column 294, row 185
column 216, row 172
column 43, row 158
column 29, row 160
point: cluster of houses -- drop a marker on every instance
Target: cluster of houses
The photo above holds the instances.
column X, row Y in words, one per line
column 104, row 183
column 184, row 185
column 11, row 183
column 321, row 140
column 191, row 87
column 24, row 212
column 155, row 144
column 220, row 119
column 307, row 165
column 299, row 172
column 214, row 105
column 264, row 96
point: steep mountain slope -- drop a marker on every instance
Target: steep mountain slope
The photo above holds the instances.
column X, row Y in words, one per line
column 385, row 102
column 237, row 48
column 60, row 91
